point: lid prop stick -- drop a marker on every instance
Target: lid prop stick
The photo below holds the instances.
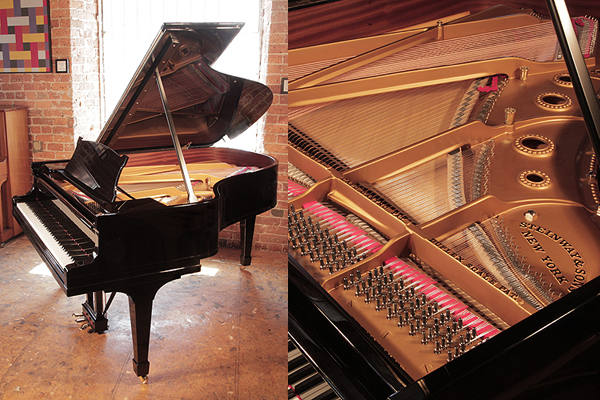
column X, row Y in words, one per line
column 580, row 77
column 184, row 171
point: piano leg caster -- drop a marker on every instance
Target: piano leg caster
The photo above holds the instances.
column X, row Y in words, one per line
column 144, row 379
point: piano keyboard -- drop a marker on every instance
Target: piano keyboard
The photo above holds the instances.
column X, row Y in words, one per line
column 64, row 238
column 304, row 382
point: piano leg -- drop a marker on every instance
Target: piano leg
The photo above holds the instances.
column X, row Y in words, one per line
column 246, row 234
column 140, row 313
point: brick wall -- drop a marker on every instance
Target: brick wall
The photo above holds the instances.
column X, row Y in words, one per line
column 48, row 96
column 271, row 229
column 62, row 107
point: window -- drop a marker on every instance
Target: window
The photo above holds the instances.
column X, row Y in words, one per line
column 130, row 26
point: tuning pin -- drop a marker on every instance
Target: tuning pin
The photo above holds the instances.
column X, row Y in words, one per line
column 401, row 321
column 438, row 347
column 412, row 331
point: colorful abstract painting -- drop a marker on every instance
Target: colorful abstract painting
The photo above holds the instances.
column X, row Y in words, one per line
column 24, row 36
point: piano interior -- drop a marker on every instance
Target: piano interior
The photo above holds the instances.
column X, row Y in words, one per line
column 164, row 182
column 442, row 184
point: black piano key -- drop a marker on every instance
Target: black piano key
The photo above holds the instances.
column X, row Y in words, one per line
column 301, row 373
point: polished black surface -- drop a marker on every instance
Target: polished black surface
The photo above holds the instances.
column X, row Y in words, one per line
column 95, row 168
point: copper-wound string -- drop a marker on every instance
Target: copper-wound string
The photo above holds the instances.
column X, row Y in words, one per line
column 477, row 246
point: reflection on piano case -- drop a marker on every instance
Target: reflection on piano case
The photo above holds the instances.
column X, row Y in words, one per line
column 443, row 215
column 131, row 212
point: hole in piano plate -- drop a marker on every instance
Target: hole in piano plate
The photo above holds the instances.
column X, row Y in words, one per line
column 563, row 79
column 534, row 143
column 553, row 99
column 535, row 178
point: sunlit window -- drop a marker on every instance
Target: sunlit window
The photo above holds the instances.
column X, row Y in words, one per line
column 130, row 26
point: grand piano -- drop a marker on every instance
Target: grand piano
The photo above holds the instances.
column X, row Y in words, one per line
column 443, row 222
column 143, row 204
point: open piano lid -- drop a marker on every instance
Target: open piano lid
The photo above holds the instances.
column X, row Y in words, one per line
column 206, row 105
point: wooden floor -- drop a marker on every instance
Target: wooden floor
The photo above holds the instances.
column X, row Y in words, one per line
column 213, row 337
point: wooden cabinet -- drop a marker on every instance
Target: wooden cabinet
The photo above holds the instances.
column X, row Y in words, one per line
column 15, row 169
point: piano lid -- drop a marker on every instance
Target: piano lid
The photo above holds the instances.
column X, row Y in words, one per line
column 205, row 104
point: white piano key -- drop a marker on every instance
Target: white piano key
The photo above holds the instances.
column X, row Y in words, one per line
column 61, row 256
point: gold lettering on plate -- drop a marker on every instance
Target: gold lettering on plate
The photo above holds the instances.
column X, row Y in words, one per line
column 486, row 276
column 580, row 273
